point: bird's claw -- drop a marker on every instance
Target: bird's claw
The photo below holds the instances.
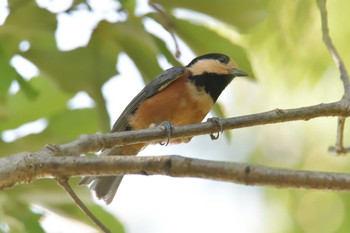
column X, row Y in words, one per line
column 168, row 127
column 218, row 124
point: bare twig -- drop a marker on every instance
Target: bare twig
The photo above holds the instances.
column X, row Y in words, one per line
column 63, row 181
column 339, row 145
column 333, row 51
column 338, row 148
column 178, row 166
column 168, row 25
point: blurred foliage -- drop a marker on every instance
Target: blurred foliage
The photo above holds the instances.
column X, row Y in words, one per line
column 278, row 42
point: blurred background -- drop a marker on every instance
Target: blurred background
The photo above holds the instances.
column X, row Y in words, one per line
column 70, row 67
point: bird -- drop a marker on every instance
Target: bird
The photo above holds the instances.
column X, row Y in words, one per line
column 179, row 96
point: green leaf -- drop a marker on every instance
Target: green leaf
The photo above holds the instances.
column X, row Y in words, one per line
column 138, row 44
column 203, row 40
column 239, row 13
column 20, row 109
column 90, row 66
column 7, row 74
column 290, row 38
column 128, row 5
column 32, row 142
column 79, row 121
column 25, row 22
column 165, row 51
column 48, row 194
column 19, row 217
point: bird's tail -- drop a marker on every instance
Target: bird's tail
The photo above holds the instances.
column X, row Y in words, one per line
column 106, row 187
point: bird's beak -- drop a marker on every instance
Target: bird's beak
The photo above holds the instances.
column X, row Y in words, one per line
column 238, row 73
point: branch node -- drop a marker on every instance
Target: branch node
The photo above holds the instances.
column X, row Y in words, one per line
column 247, row 173
column 168, row 165
column 280, row 112
column 247, row 170
column 53, row 149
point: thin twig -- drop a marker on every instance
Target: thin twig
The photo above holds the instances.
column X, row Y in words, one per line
column 168, row 25
column 63, row 181
column 338, row 148
column 339, row 145
column 330, row 46
column 340, row 134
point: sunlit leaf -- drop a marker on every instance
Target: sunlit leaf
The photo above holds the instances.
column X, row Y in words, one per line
column 48, row 194
column 31, row 142
column 239, row 13
column 80, row 121
column 7, row 73
column 25, row 22
column 24, row 219
column 21, row 110
column 90, row 66
column 292, row 41
column 138, row 44
column 202, row 40
column 165, row 51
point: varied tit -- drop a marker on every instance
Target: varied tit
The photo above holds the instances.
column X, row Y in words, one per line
column 179, row 95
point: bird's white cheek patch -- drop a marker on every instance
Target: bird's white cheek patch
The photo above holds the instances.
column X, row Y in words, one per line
column 208, row 66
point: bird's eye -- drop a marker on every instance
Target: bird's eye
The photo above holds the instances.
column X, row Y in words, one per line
column 224, row 59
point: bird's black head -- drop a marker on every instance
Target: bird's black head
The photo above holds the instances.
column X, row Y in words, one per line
column 213, row 72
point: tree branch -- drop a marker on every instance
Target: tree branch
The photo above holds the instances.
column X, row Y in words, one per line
column 24, row 167
column 178, row 166
column 92, row 143
column 338, row 148
column 167, row 23
column 344, row 76
column 63, row 181
column 339, row 144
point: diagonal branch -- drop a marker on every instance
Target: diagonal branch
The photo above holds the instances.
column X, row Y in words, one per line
column 168, row 24
column 344, row 76
column 63, row 181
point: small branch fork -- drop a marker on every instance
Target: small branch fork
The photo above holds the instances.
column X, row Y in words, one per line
column 344, row 76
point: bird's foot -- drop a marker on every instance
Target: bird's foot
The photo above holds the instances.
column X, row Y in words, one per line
column 216, row 121
column 168, row 127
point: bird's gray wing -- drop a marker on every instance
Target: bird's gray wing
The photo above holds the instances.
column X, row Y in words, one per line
column 157, row 84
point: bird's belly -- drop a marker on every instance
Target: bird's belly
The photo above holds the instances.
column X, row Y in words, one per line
column 180, row 106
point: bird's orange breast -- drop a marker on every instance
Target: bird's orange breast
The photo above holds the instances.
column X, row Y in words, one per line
column 180, row 103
